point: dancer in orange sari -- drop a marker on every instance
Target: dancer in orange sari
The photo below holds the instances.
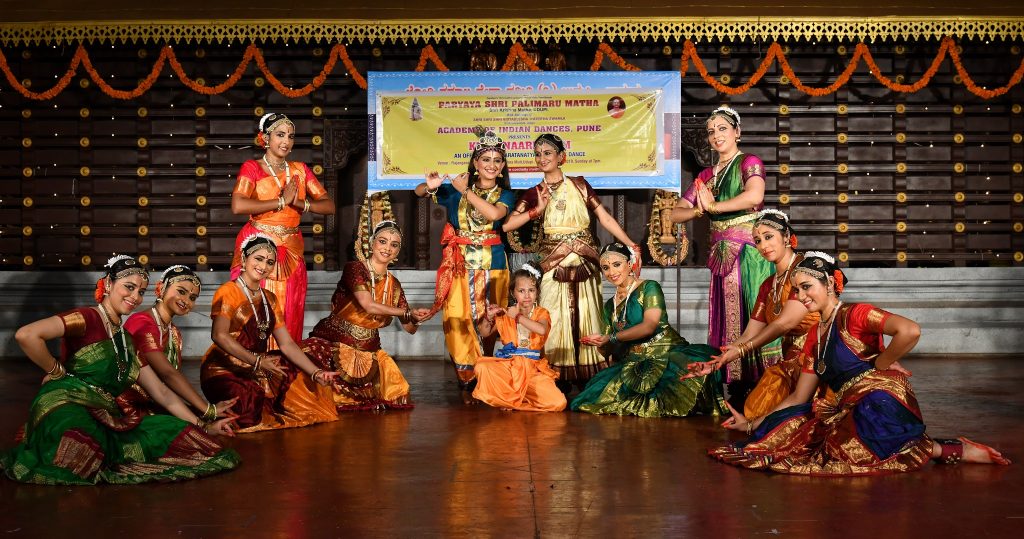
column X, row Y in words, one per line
column 872, row 425
column 275, row 193
column 368, row 297
column 777, row 313
column 519, row 377
column 271, row 393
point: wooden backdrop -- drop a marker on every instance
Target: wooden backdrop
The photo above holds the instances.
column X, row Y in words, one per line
column 931, row 178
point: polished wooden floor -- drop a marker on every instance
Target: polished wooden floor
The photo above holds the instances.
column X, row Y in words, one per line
column 446, row 470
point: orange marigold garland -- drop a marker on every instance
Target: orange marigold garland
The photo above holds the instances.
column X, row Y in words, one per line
column 516, row 52
column 429, row 54
column 605, row 49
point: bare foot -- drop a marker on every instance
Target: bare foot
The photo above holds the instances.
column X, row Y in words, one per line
column 468, row 399
column 982, row 454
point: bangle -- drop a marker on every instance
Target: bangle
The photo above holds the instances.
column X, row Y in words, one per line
column 534, row 213
column 211, row 412
column 58, row 371
column 698, row 213
column 750, row 427
column 614, row 339
column 713, row 208
column 305, row 205
column 256, row 365
column 280, row 203
column 315, row 374
column 407, row 316
column 430, row 192
column 515, row 319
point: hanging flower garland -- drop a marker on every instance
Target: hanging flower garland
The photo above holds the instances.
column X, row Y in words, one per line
column 429, row 54
column 606, row 50
column 516, row 53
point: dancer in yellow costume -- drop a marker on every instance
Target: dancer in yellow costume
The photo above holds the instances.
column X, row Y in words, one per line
column 474, row 268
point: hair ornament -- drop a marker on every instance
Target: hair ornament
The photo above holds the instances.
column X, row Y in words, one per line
column 252, row 242
column 840, row 280
column 727, row 110
column 819, row 254
column 385, row 225
column 488, row 140
column 616, row 248
column 532, row 270
column 115, row 259
column 177, row 273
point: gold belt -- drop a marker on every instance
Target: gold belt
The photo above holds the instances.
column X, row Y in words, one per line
column 638, row 348
column 358, row 332
column 717, row 226
column 278, row 230
column 477, row 237
column 578, row 235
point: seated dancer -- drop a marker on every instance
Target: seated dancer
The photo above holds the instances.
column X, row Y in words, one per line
column 158, row 343
column 650, row 357
column 367, row 298
column 77, row 432
column 240, row 363
column 518, row 378
column 873, row 424
column 777, row 313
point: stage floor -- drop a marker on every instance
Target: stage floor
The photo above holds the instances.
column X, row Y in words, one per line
column 447, row 470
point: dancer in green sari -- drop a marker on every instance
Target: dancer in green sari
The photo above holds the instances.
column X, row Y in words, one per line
column 650, row 356
column 80, row 431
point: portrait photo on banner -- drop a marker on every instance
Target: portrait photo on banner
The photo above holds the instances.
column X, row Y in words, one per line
column 620, row 129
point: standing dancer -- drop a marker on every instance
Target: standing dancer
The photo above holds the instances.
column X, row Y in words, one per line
column 474, row 266
column 731, row 193
column 570, row 289
column 275, row 193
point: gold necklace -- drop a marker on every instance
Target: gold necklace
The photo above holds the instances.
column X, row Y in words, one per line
column 777, row 288
column 263, row 327
column 720, row 173
column 522, row 331
column 618, row 322
column 121, row 362
column 819, row 364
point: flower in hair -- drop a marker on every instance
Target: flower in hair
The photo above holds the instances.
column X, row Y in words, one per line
column 263, row 120
column 725, row 109
column 772, row 211
column 821, row 255
column 253, row 237
column 529, row 268
column 115, row 259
